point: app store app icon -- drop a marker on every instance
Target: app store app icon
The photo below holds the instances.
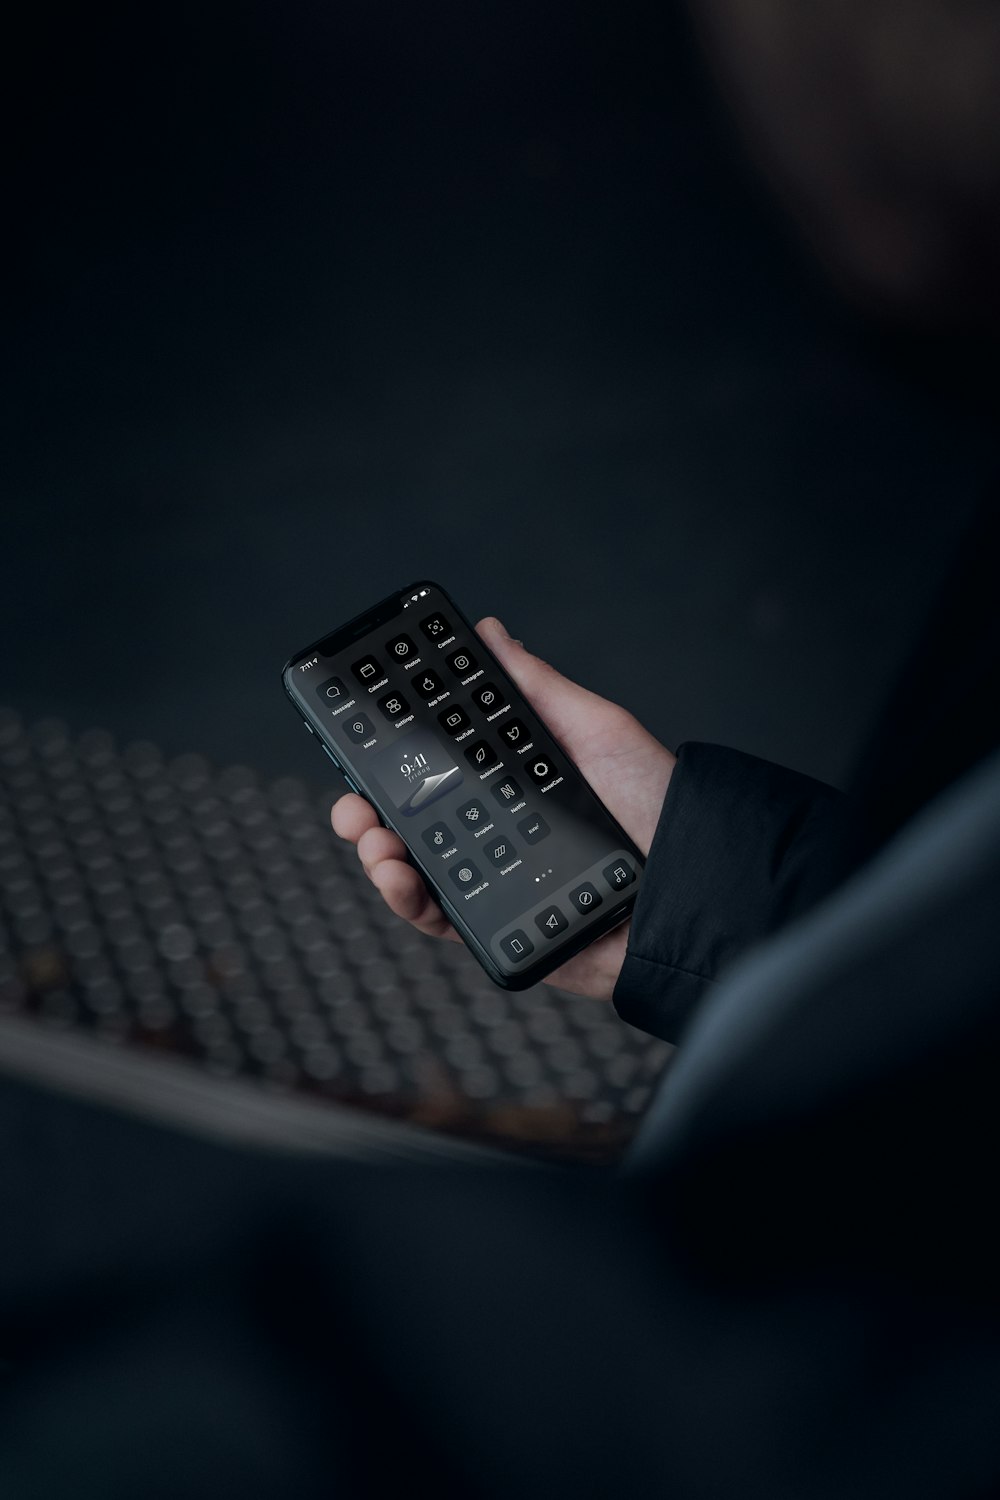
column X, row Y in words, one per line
column 428, row 684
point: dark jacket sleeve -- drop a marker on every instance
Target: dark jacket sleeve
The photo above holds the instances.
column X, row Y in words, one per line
column 742, row 846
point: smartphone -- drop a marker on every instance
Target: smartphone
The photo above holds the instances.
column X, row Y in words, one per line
column 422, row 720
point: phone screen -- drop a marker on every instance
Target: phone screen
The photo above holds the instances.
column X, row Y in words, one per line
column 427, row 725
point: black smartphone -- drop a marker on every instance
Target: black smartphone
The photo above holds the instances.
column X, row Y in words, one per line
column 422, row 720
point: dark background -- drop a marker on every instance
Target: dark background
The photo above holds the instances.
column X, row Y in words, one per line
column 309, row 301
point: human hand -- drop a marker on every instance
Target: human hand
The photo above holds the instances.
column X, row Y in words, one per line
column 627, row 768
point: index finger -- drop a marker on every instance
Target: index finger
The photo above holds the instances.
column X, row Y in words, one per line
column 352, row 816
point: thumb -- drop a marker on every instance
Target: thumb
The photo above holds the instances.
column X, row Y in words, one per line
column 564, row 705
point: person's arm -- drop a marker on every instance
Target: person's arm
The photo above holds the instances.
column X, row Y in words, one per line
column 733, row 850
column 741, row 847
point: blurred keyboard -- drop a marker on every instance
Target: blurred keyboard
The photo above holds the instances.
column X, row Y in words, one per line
column 212, row 916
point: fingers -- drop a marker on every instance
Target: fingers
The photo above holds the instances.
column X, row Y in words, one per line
column 352, row 816
column 383, row 856
column 405, row 894
column 564, row 705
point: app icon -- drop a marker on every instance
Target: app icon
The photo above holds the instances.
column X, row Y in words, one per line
column 438, row 837
column 462, row 663
column 435, row 627
column 517, row 945
column 489, row 698
column 358, row 727
column 465, row 875
column 585, row 897
column 533, row 829
column 507, row 792
column 415, row 769
column 501, row 851
column 401, row 648
column 515, row 733
column 481, row 755
column 541, row 769
column 454, row 720
column 367, row 670
column 619, row 875
column 428, row 684
column 333, row 692
column 551, row 921
column 394, row 705
column 474, row 814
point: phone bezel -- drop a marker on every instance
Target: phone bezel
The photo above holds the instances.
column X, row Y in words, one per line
column 381, row 614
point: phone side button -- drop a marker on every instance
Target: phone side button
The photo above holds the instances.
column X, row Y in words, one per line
column 308, row 726
column 350, row 783
column 330, row 753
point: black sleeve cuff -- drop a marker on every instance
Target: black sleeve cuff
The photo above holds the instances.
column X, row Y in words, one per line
column 742, row 846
